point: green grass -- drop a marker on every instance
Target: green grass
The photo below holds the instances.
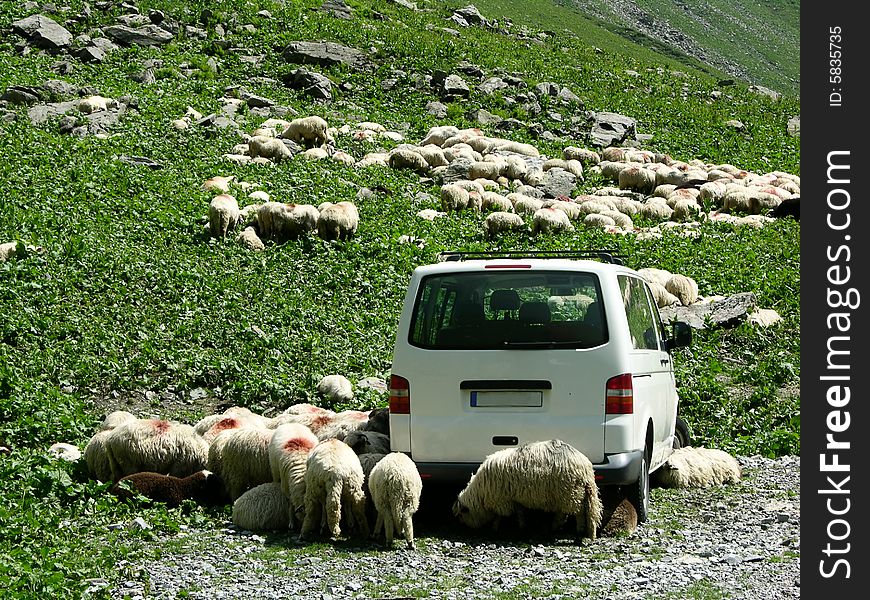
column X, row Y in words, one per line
column 129, row 295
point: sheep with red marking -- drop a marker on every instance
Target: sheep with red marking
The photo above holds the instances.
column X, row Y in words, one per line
column 288, row 456
column 333, row 485
column 155, row 445
column 95, row 453
column 338, row 221
column 548, row 475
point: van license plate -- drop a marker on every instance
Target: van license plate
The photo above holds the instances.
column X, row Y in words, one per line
column 506, row 398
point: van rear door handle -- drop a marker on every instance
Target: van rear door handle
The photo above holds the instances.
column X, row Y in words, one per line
column 665, row 361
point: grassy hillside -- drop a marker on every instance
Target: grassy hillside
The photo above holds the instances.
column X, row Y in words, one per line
column 131, row 306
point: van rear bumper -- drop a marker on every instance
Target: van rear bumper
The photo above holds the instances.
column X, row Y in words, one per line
column 617, row 469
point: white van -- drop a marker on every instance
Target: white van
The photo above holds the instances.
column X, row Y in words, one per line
column 494, row 350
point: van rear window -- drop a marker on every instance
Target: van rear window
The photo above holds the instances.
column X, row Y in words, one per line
column 508, row 309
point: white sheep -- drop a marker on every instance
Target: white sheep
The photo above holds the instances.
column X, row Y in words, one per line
column 662, row 296
column 309, row 131
column 495, row 201
column 335, row 388
column 405, row 158
column 395, row 487
column 338, row 222
column 268, row 147
column 656, row 210
column 501, row 221
column 550, row 220
column 548, row 475
column 95, row 453
column 262, row 508
column 574, row 167
column 454, row 197
column 438, row 135
column 92, row 104
column 333, row 484
column 248, row 237
column 339, row 425
column 653, row 275
column 433, row 155
column 368, row 442
column 241, row 458
column 218, row 183
column 525, row 205
column 620, row 219
column 283, row 222
column 587, row 157
column 683, row 287
column 155, row 445
column 638, row 179
column 288, row 456
column 689, row 467
column 223, row 215
column 598, row 220
column 236, row 417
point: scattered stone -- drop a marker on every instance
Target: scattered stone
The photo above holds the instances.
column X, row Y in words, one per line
column 794, row 126
column 491, row 85
column 147, row 35
column 454, row 87
column 611, row 129
column 140, row 161
column 484, row 117
column 338, row 9
column 719, row 313
column 324, row 54
column 763, row 91
column 735, row 124
column 558, row 182
column 20, row 94
column 43, row 32
column 90, row 54
column 310, row 83
column 436, row 109
column 470, row 16
column 405, row 3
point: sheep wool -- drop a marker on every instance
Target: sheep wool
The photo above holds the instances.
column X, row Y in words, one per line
column 501, row 221
column 92, row 104
column 309, row 131
column 282, row 222
column 203, row 487
column 395, row 486
column 690, row 467
column 495, row 201
column 662, row 296
column 262, row 508
column 241, row 458
column 550, row 220
column 684, row 288
column 248, row 238
column 453, row 197
column 619, row 520
column 404, row 158
column 587, row 157
column 268, row 147
column 338, row 222
column 333, row 485
column 155, row 445
column 223, row 215
column 548, row 475
column 335, row 388
column 598, row 220
column 637, row 179
column 288, row 456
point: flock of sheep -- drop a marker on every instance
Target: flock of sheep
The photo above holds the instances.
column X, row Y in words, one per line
column 310, row 469
column 503, row 178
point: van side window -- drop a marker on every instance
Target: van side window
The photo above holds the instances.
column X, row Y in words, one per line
column 642, row 323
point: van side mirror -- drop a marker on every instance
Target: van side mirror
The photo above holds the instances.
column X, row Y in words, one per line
column 681, row 337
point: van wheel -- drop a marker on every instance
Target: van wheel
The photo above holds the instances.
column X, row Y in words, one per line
column 682, row 438
column 638, row 492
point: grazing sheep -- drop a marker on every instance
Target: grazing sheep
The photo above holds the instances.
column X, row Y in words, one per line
column 652, row 275
column 485, row 170
column 637, row 179
column 433, row 155
column 661, row 295
column 620, row 219
column 568, row 207
column 575, row 167
column 309, row 131
column 335, row 388
column 656, row 211
column 685, row 209
column 155, row 445
column 525, row 205
column 10, row 249
column 338, row 222
column 235, row 418
column 339, row 425
column 378, row 421
column 218, row 183
column 333, row 483
column 405, row 158
column 550, row 220
column 597, row 220
column 618, row 520
column 223, row 215
column 303, row 408
column 282, row 222
column 547, row 475
column 288, row 456
column 64, row 451
column 495, row 201
column 268, row 147
column 515, row 167
column 368, row 442
column 454, row 197
column 248, row 237
column 262, row 508
column 689, row 467
column 587, row 157
column 395, row 486
column 203, row 487
column 241, row 458
column 502, row 221
column 684, row 288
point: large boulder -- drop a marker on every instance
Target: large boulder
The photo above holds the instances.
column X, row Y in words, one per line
column 324, row 54
column 43, row 32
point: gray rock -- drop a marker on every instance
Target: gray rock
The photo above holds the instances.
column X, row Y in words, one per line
column 195, row 33
column 454, row 87
column 43, row 32
column 436, row 109
column 763, row 91
column 63, row 67
column 558, row 182
column 141, row 161
column 254, row 101
column 134, row 20
column 145, row 77
column 42, row 113
column 90, row 54
column 56, row 88
column 547, row 88
column 338, row 9
column 568, row 97
column 310, row 83
column 727, row 312
column 405, row 3
column 484, row 117
column 510, row 124
column 20, row 94
column 794, row 126
column 611, row 129
column 471, row 15
column 735, row 124
column 456, row 170
column 147, row 35
column 469, row 69
column 324, row 54
column 491, row 85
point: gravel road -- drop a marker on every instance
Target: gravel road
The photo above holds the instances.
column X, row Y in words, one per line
column 739, row 541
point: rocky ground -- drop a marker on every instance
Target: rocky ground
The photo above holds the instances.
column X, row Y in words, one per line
column 739, row 541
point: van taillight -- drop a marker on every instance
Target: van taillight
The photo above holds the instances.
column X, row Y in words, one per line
column 619, row 399
column 400, row 396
